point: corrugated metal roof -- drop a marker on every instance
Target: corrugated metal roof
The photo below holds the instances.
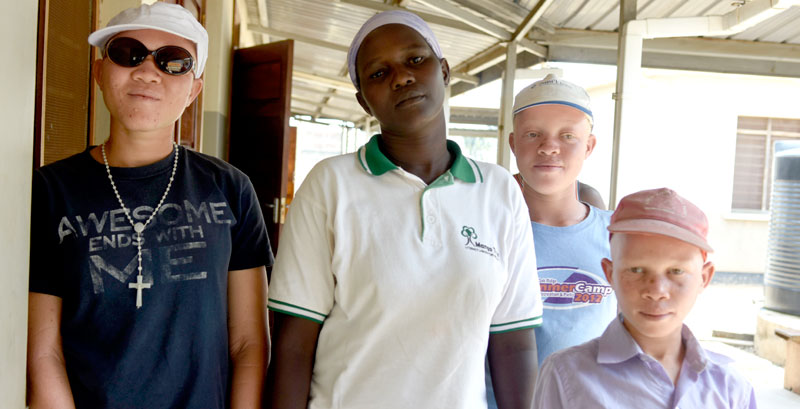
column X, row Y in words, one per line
column 783, row 28
column 456, row 25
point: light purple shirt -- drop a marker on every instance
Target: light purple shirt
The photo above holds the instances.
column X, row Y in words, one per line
column 612, row 371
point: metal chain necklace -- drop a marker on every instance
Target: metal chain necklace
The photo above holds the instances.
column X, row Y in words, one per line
column 138, row 227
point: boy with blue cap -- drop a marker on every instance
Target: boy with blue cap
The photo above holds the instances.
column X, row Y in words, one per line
column 147, row 281
column 552, row 138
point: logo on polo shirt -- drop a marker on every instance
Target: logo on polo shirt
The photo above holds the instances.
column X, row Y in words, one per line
column 475, row 245
column 569, row 287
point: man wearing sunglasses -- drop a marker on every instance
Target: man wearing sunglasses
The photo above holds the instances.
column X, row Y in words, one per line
column 148, row 284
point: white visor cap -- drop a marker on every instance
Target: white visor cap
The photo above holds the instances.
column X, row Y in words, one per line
column 553, row 90
column 169, row 18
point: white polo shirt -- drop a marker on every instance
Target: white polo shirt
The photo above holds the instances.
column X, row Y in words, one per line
column 407, row 279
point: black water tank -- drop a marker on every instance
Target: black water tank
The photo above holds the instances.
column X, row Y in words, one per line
column 782, row 278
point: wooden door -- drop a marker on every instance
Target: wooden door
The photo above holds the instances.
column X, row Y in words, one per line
column 63, row 81
column 260, row 139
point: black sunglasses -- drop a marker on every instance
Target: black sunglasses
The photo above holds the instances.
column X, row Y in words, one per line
column 171, row 59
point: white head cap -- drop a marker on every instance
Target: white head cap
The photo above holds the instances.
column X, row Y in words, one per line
column 553, row 90
column 381, row 19
column 169, row 18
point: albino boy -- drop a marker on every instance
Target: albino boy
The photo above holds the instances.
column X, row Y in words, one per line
column 647, row 358
column 552, row 138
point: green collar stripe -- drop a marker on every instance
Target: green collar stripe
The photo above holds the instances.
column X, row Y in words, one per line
column 376, row 163
column 461, row 167
column 362, row 159
column 476, row 168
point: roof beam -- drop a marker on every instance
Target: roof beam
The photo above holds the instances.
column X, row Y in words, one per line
column 472, row 133
column 489, row 10
column 315, row 118
column 468, row 18
column 690, row 46
column 297, row 37
column 263, row 15
column 428, row 17
column 464, row 77
column 319, row 105
column 530, row 20
column 336, row 97
column 494, row 72
column 532, row 47
column 332, row 91
column 475, row 116
column 654, row 59
column 491, row 56
column 511, row 8
column 482, row 60
column 697, row 54
column 244, row 9
column 323, row 80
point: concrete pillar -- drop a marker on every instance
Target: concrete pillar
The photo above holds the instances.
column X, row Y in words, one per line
column 629, row 66
column 216, row 94
column 18, row 21
column 506, row 121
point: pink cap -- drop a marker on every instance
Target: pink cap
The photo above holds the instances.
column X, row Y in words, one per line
column 661, row 211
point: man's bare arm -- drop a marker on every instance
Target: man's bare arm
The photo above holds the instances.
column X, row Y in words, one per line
column 248, row 339
column 48, row 386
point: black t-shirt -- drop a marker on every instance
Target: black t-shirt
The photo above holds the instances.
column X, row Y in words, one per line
column 173, row 351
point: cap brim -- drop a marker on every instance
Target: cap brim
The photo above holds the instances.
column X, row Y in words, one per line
column 554, row 102
column 651, row 226
column 100, row 37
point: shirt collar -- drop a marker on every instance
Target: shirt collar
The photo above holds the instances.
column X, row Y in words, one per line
column 374, row 162
column 616, row 345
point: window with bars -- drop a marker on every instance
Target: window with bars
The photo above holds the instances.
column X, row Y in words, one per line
column 752, row 175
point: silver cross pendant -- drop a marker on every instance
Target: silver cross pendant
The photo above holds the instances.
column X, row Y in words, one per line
column 139, row 286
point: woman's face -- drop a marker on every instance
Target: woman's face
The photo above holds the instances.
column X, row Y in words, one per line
column 402, row 81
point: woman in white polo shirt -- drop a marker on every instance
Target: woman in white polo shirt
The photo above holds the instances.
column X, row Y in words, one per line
column 402, row 263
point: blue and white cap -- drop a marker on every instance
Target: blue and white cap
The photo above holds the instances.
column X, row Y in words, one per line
column 554, row 90
column 381, row 19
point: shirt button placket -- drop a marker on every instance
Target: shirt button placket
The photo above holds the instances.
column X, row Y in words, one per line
column 433, row 230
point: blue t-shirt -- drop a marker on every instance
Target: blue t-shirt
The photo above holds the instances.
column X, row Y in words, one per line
column 578, row 301
column 173, row 351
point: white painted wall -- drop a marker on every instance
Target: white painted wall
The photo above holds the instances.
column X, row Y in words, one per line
column 216, row 94
column 18, row 21
column 687, row 142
